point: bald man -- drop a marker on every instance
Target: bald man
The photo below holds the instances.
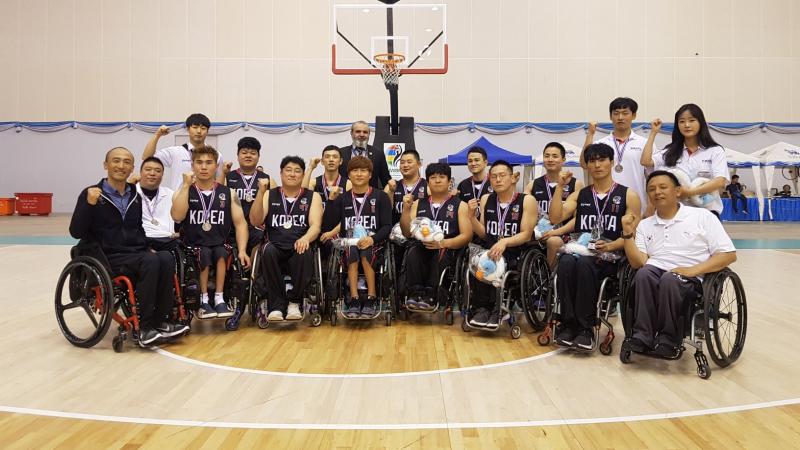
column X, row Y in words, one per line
column 108, row 215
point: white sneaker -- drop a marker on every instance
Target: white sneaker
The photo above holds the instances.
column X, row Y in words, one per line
column 293, row 312
column 275, row 316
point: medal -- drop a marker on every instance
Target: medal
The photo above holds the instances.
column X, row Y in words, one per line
column 599, row 228
column 620, row 151
column 206, row 208
column 249, row 197
column 476, row 193
column 330, row 187
column 287, row 225
column 154, row 222
column 151, row 206
column 358, row 210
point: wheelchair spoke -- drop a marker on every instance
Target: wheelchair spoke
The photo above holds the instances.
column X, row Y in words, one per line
column 72, row 305
column 90, row 313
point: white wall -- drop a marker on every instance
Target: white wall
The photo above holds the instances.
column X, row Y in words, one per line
column 512, row 60
column 65, row 162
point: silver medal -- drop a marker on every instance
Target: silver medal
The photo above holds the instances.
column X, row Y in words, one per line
column 206, row 226
column 618, row 168
column 154, row 222
column 249, row 198
column 287, row 225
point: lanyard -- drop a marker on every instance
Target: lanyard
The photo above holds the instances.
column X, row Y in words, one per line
column 327, row 188
column 288, row 211
column 356, row 209
column 600, row 219
column 435, row 211
column 477, row 194
column 413, row 188
column 501, row 218
column 620, row 151
column 248, row 186
column 151, row 205
column 206, row 209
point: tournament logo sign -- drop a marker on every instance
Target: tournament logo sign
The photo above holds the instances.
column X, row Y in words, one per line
column 392, row 152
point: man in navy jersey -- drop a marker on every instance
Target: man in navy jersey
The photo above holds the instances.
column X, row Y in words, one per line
column 109, row 215
column 476, row 186
column 211, row 209
column 291, row 216
column 330, row 185
column 369, row 210
column 244, row 182
column 425, row 262
column 596, row 209
column 553, row 158
column 411, row 183
column 505, row 226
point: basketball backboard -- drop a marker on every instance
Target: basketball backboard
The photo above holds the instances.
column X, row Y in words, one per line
column 416, row 31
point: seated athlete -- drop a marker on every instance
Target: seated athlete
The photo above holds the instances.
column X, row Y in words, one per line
column 673, row 249
column 505, row 226
column 542, row 189
column 291, row 216
column 244, row 181
column 596, row 209
column 109, row 215
column 156, row 205
column 425, row 262
column 365, row 213
column 411, row 183
column 330, row 186
column 212, row 210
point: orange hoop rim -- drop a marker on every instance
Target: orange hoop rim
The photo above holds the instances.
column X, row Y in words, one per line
column 389, row 59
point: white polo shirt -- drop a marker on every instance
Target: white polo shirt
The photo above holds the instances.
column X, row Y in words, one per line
column 705, row 162
column 158, row 209
column 633, row 172
column 179, row 159
column 688, row 239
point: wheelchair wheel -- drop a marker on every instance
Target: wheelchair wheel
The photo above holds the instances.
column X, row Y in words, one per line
column 536, row 289
column 316, row 320
column 84, row 301
column 725, row 311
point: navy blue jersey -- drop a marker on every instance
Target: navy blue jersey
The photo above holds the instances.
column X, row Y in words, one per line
column 510, row 216
column 543, row 192
column 293, row 211
column 419, row 191
column 321, row 186
column 445, row 216
column 215, row 210
column 611, row 207
column 245, row 187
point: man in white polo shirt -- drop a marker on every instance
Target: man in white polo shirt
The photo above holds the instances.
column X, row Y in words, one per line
column 156, row 204
column 673, row 250
column 179, row 157
column 628, row 170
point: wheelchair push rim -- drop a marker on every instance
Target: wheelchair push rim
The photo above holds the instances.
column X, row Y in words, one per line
column 536, row 290
column 88, row 301
column 725, row 310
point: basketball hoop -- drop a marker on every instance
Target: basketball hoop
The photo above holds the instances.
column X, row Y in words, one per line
column 390, row 67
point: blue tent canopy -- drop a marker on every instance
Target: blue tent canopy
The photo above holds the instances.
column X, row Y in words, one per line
column 492, row 151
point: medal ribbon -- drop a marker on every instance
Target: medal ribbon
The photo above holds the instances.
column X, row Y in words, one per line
column 206, row 209
column 600, row 219
column 501, row 218
column 288, row 211
column 356, row 209
column 326, row 191
column 248, row 186
column 620, row 151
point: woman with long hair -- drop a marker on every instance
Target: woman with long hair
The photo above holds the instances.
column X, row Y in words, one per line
column 694, row 151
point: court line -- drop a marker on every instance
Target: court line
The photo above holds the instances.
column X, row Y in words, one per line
column 197, row 362
column 400, row 426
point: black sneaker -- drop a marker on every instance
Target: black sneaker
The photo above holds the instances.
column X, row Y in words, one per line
column 369, row 308
column 585, row 340
column 148, row 337
column 494, row 320
column 666, row 351
column 479, row 318
column 169, row 330
column 425, row 303
column 638, row 346
column 566, row 336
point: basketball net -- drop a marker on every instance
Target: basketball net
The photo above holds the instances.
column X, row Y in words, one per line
column 389, row 63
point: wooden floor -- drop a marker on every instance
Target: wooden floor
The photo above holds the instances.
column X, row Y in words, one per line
column 421, row 384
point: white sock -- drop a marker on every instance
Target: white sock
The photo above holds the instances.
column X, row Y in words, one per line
column 218, row 298
column 204, row 298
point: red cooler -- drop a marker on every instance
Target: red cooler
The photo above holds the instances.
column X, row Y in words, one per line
column 39, row 203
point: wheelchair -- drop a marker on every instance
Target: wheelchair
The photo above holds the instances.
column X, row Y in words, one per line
column 522, row 287
column 612, row 290
column 448, row 295
column 716, row 314
column 337, row 285
column 237, row 282
column 87, row 284
column 312, row 298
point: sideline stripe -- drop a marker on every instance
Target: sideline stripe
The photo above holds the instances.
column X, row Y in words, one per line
column 196, row 362
column 401, row 426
